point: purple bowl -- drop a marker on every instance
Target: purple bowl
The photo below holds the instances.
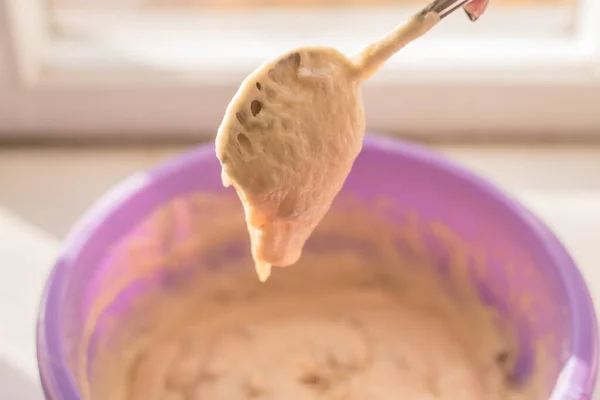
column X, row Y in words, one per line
column 522, row 256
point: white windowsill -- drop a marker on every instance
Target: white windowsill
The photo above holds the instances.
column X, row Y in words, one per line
column 225, row 47
column 530, row 73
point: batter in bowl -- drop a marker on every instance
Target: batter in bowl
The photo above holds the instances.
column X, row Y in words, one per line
column 352, row 344
column 361, row 318
column 337, row 333
column 292, row 132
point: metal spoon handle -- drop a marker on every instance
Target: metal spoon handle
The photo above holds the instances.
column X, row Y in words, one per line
column 445, row 7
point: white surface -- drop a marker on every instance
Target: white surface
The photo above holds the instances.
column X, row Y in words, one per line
column 146, row 74
column 43, row 191
column 162, row 43
column 26, row 254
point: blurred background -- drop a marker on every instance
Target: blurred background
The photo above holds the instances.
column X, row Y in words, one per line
column 195, row 5
column 140, row 69
column 92, row 91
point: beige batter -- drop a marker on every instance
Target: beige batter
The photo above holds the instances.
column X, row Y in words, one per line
column 361, row 319
column 350, row 338
column 354, row 344
column 291, row 134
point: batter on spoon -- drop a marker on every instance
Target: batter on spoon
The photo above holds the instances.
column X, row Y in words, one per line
column 291, row 134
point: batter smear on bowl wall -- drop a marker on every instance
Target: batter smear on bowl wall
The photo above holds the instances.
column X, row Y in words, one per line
column 293, row 130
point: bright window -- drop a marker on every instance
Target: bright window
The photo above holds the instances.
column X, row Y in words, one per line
column 528, row 68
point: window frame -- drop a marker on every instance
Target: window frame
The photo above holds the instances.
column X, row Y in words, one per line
column 539, row 88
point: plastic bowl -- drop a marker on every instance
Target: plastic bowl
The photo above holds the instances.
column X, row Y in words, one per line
column 522, row 255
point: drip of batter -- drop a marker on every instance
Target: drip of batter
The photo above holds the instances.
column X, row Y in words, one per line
column 292, row 132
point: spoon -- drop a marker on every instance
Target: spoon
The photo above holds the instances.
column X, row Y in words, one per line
column 473, row 8
column 293, row 130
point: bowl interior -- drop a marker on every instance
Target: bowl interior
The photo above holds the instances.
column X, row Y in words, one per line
column 507, row 253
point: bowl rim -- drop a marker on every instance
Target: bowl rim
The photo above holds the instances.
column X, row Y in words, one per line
column 59, row 383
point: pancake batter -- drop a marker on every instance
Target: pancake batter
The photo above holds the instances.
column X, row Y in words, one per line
column 292, row 132
column 361, row 318
column 330, row 337
column 358, row 344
